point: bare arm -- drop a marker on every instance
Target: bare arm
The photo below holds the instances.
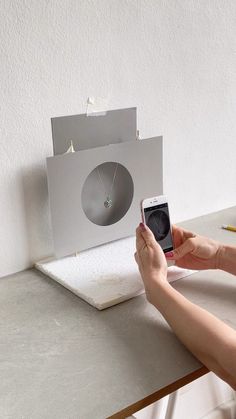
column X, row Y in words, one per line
column 227, row 259
column 208, row 338
column 197, row 252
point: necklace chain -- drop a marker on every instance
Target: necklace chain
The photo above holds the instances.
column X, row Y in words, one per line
column 108, row 202
column 113, row 180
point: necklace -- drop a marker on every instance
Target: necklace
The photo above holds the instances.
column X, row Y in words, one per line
column 108, row 201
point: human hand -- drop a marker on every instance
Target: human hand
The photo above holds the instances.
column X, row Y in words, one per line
column 193, row 251
column 150, row 259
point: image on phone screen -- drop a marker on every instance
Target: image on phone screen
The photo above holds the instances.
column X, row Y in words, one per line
column 158, row 220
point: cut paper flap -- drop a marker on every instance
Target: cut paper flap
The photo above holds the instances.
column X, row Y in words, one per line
column 71, row 148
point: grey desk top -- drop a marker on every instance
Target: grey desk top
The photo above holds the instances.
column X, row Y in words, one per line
column 62, row 359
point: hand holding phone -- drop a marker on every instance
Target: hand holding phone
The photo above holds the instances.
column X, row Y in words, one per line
column 155, row 214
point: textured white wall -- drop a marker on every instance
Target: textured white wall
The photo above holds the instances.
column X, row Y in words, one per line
column 173, row 59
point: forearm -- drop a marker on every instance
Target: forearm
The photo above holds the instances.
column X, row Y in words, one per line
column 227, row 259
column 209, row 339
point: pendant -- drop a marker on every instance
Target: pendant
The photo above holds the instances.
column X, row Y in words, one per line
column 108, row 202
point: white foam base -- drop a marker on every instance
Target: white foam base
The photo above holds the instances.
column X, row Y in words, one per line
column 103, row 276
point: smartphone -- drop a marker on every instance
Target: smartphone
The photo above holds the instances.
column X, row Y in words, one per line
column 155, row 214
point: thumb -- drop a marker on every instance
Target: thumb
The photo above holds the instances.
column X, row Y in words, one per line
column 147, row 234
column 187, row 247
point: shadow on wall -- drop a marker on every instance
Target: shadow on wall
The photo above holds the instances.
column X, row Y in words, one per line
column 37, row 217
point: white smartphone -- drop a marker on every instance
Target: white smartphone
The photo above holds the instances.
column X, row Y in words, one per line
column 155, row 214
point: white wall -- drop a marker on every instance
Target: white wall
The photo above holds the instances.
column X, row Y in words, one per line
column 173, row 59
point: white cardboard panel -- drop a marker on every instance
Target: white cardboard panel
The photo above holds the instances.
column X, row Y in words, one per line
column 86, row 132
column 72, row 230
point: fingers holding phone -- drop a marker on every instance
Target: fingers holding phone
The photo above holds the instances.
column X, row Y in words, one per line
column 155, row 214
column 193, row 251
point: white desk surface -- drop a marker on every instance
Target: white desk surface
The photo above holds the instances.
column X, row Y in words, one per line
column 62, row 359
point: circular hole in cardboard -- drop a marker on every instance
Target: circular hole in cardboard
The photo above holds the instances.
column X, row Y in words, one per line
column 107, row 193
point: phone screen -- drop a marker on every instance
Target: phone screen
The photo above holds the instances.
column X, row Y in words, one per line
column 158, row 220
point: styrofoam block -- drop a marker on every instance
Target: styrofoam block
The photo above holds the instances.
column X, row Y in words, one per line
column 103, row 276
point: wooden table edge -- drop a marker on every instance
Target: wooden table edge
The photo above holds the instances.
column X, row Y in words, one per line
column 152, row 398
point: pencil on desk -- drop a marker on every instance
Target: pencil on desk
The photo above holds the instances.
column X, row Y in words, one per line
column 229, row 227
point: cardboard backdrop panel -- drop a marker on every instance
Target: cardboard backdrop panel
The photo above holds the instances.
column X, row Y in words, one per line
column 71, row 208
column 86, row 132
